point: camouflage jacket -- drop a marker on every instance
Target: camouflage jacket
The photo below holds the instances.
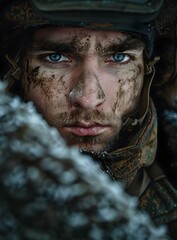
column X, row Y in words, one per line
column 137, row 166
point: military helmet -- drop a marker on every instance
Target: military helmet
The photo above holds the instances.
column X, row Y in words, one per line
column 130, row 15
column 134, row 16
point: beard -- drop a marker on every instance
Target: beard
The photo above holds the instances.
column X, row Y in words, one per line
column 89, row 143
column 92, row 144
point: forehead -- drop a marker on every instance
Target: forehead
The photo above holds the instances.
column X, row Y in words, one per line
column 68, row 33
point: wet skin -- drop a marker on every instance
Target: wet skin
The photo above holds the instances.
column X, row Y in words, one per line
column 84, row 82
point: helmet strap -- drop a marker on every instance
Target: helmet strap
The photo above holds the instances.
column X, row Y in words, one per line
column 14, row 73
column 138, row 117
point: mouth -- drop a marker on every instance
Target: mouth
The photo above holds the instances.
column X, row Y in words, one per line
column 86, row 129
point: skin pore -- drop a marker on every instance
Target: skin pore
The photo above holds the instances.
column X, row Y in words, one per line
column 84, row 82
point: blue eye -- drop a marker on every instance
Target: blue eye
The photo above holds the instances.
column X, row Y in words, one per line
column 120, row 57
column 56, row 57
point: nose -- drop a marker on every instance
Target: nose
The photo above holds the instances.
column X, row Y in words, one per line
column 88, row 92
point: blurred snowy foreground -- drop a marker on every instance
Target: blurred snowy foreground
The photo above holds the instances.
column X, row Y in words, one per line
column 51, row 192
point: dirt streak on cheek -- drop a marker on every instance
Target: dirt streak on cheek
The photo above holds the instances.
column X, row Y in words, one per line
column 116, row 103
column 133, row 87
column 100, row 92
column 35, row 79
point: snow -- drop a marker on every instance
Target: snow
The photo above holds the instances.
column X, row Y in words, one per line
column 50, row 191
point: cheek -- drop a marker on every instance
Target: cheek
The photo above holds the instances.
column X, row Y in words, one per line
column 46, row 89
column 127, row 90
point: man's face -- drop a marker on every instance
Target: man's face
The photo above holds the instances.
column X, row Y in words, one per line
column 84, row 82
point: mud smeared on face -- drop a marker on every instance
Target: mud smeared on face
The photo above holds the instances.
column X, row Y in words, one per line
column 128, row 89
column 87, row 84
column 36, row 79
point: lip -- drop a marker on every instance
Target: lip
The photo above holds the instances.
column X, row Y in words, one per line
column 86, row 129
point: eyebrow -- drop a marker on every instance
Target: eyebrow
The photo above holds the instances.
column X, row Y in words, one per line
column 48, row 45
column 128, row 44
column 71, row 47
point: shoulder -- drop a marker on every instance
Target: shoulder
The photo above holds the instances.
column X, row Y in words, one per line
column 160, row 201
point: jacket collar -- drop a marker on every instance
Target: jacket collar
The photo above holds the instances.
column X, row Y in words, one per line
column 124, row 163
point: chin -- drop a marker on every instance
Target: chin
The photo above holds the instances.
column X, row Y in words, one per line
column 92, row 144
column 94, row 149
column 89, row 148
column 88, row 144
